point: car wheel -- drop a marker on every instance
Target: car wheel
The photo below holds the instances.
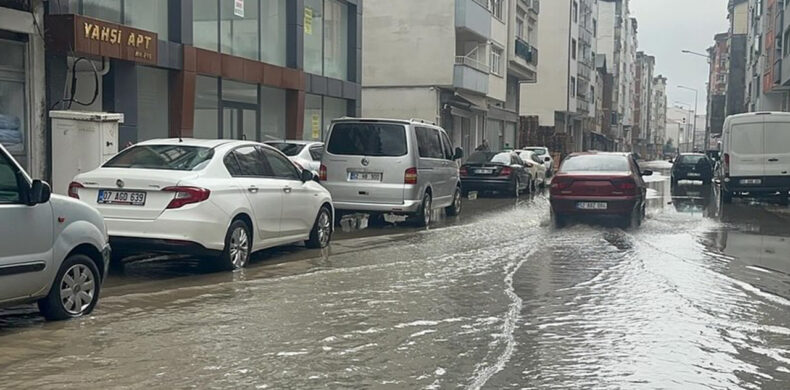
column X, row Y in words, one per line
column 74, row 292
column 322, row 230
column 423, row 217
column 238, row 245
column 454, row 209
column 633, row 219
column 557, row 220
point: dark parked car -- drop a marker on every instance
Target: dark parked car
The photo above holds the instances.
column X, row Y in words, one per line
column 599, row 184
column 491, row 171
column 692, row 166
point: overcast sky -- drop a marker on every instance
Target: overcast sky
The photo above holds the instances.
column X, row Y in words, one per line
column 668, row 26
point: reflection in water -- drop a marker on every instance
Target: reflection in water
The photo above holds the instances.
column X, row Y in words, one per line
column 693, row 199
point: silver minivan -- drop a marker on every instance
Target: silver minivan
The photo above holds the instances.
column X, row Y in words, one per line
column 389, row 166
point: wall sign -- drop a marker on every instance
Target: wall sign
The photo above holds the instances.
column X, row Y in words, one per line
column 82, row 35
column 308, row 21
column 238, row 8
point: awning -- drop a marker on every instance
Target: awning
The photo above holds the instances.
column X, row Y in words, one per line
column 475, row 102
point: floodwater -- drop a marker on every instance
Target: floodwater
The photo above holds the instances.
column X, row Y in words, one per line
column 698, row 297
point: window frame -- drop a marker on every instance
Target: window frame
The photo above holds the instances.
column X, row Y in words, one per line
column 265, row 151
column 429, row 155
column 449, row 153
column 233, row 151
column 19, row 177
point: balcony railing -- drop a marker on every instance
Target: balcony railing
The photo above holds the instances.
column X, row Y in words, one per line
column 526, row 51
column 472, row 63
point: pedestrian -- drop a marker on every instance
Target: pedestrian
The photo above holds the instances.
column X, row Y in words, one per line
column 483, row 147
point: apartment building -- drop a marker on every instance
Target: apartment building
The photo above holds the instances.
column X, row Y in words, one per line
column 658, row 116
column 719, row 55
column 459, row 63
column 641, row 138
column 563, row 98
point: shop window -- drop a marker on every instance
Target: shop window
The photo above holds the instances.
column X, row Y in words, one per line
column 239, row 110
column 206, row 108
column 273, row 31
column 150, row 15
column 13, row 124
column 153, row 117
column 336, row 40
column 239, row 33
column 109, row 10
column 333, row 109
column 205, row 24
column 313, row 36
column 272, row 114
column 313, row 118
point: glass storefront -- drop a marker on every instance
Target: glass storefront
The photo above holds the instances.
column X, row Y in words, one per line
column 273, row 28
column 272, row 114
column 150, row 15
column 205, row 24
column 239, row 110
column 319, row 113
column 206, row 108
column 239, row 31
column 314, row 36
column 326, row 38
column 153, row 117
column 13, row 110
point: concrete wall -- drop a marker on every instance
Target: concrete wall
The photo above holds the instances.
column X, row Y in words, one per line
column 401, row 103
column 408, row 42
column 550, row 92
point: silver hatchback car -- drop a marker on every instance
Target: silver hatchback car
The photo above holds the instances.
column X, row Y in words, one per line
column 388, row 166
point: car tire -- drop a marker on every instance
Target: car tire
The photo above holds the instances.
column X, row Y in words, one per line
column 423, row 217
column 454, row 209
column 726, row 196
column 516, row 190
column 321, row 234
column 82, row 297
column 238, row 247
column 634, row 219
column 557, row 220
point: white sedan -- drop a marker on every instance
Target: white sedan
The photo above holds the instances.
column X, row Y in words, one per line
column 306, row 154
column 543, row 153
column 535, row 166
column 221, row 197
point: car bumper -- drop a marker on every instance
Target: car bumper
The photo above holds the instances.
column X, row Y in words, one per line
column 409, row 206
column 690, row 176
column 153, row 245
column 487, row 184
column 568, row 205
column 768, row 184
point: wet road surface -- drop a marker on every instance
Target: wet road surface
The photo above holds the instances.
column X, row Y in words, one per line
column 698, row 297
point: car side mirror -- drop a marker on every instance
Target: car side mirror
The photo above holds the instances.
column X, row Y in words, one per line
column 647, row 173
column 307, row 176
column 459, row 154
column 547, row 159
column 40, row 192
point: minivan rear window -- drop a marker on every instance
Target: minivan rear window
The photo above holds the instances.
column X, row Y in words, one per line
column 166, row 157
column 368, row 139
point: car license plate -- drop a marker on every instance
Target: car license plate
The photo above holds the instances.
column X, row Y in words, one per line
column 128, row 198
column 751, row 181
column 364, row 176
column 592, row 205
column 484, row 171
column 694, row 175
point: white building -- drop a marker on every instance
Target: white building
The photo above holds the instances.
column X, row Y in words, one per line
column 658, row 107
column 562, row 98
column 458, row 63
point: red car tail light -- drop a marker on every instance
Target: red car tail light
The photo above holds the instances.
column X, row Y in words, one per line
column 561, row 183
column 626, row 186
column 187, row 195
column 726, row 164
column 506, row 171
column 464, row 171
column 74, row 189
column 410, row 176
column 322, row 173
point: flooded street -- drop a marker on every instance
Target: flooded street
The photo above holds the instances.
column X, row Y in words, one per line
column 698, row 297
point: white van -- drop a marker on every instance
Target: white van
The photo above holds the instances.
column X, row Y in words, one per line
column 755, row 153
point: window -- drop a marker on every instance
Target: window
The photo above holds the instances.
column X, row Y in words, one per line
column 153, row 117
column 13, row 109
column 250, row 163
column 9, row 187
column 368, row 139
column 273, row 31
column 497, row 8
column 575, row 12
column 148, row 15
column 573, row 49
column 449, row 152
column 316, row 152
column 573, row 86
column 596, row 163
column 429, row 143
column 313, row 36
column 272, row 113
column 281, row 167
column 496, row 60
column 335, row 39
column 164, row 157
column 333, row 109
column 109, row 10
column 288, row 149
column 205, row 24
column 239, row 34
column 313, row 113
column 206, row 108
column 595, row 27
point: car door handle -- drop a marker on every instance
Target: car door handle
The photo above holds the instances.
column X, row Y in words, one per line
column 253, row 189
column 287, row 190
column 773, row 159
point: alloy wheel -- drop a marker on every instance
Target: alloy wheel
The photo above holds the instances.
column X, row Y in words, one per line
column 77, row 289
column 239, row 247
column 426, row 210
column 457, row 201
column 324, row 228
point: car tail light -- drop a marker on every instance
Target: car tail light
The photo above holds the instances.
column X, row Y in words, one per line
column 726, row 164
column 410, row 177
column 627, row 186
column 187, row 195
column 561, row 183
column 322, row 173
column 74, row 189
column 464, row 171
column 506, row 171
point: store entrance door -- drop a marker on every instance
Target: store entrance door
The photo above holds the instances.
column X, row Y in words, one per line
column 239, row 121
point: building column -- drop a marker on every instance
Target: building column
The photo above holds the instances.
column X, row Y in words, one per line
column 182, row 96
column 294, row 114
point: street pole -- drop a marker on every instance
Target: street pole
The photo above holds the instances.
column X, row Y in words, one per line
column 696, row 106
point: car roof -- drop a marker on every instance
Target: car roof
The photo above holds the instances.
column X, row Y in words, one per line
column 293, row 141
column 387, row 120
column 207, row 143
column 622, row 154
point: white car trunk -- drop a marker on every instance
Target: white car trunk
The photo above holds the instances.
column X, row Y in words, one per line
column 148, row 181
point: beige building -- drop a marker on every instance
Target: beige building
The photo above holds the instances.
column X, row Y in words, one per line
column 459, row 63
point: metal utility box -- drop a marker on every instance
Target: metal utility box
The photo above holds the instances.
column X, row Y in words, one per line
column 81, row 141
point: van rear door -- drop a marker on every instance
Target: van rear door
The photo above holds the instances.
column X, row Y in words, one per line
column 366, row 162
column 777, row 148
column 746, row 147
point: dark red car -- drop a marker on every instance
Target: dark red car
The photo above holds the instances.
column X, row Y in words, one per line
column 599, row 184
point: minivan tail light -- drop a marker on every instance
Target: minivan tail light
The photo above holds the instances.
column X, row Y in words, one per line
column 506, row 171
column 186, row 195
column 74, row 189
column 410, row 176
column 322, row 173
column 726, row 164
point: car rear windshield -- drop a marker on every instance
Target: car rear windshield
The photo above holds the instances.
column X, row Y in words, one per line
column 596, row 163
column 167, row 157
column 489, row 157
column 538, row 151
column 289, row 150
column 691, row 159
column 368, row 139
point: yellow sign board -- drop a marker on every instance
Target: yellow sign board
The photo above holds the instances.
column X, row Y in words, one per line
column 308, row 21
column 316, row 126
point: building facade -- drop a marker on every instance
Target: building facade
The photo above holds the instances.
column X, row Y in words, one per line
column 658, row 116
column 253, row 69
column 719, row 55
column 616, row 43
column 464, row 71
column 563, row 98
column 641, row 136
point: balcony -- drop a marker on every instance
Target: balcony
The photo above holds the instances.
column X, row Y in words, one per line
column 526, row 51
column 472, row 16
column 470, row 74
